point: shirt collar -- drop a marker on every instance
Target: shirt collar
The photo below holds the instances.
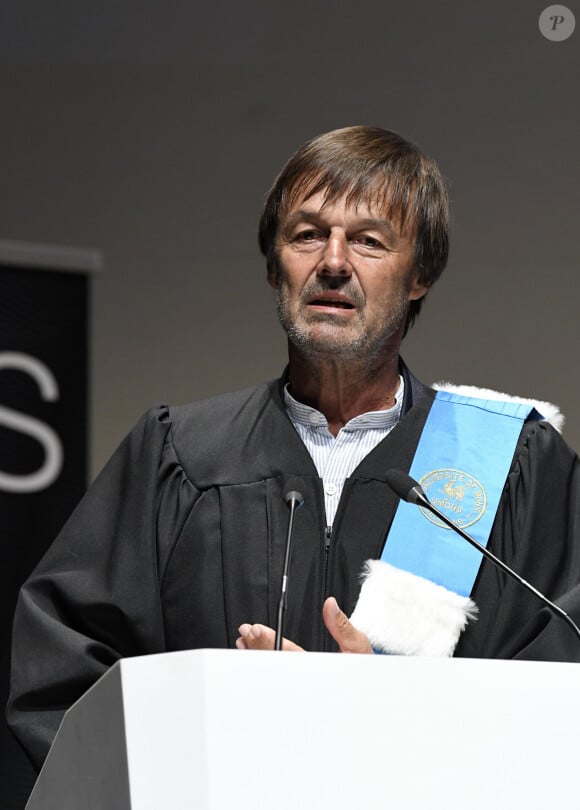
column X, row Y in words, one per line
column 373, row 420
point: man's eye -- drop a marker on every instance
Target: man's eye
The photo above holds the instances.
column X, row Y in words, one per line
column 306, row 236
column 368, row 241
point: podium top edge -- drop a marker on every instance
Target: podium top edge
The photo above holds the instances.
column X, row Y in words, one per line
column 336, row 660
column 36, row 256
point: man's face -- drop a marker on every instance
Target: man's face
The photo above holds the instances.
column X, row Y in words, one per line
column 345, row 279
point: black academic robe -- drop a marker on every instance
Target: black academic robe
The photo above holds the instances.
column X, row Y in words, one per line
column 181, row 539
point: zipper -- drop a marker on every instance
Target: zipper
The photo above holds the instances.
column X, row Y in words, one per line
column 327, row 536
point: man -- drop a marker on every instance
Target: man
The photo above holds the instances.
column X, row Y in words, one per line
column 179, row 543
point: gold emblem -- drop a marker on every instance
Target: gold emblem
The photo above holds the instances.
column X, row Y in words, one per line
column 460, row 497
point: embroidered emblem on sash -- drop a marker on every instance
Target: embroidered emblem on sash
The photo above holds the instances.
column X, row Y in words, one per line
column 460, row 496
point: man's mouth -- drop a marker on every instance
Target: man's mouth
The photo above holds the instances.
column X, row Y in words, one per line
column 332, row 303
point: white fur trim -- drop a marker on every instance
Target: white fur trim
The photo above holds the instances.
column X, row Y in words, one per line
column 404, row 614
column 551, row 413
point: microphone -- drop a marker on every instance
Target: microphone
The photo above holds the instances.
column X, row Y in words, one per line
column 409, row 490
column 294, row 498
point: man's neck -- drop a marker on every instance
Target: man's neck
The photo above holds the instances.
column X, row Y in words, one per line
column 342, row 390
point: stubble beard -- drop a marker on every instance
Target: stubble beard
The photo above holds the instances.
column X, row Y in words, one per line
column 365, row 345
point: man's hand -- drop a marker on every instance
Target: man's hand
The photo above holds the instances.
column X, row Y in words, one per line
column 260, row 637
column 348, row 638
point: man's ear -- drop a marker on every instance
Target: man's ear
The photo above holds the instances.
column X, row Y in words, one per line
column 273, row 271
column 417, row 289
column 272, row 277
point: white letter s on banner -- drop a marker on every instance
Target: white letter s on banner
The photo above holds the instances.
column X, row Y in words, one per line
column 50, row 470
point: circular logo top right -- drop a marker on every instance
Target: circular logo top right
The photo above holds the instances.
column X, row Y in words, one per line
column 557, row 23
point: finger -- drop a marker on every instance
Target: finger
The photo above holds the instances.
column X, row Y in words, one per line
column 348, row 638
column 255, row 637
column 261, row 637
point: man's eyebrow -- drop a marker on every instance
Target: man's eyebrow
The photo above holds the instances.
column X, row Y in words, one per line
column 379, row 224
column 298, row 216
column 316, row 215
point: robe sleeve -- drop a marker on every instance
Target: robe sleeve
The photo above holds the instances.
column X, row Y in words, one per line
column 95, row 596
column 537, row 532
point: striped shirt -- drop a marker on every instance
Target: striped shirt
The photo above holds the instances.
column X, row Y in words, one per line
column 336, row 458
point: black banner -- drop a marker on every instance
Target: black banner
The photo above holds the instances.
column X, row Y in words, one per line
column 43, row 443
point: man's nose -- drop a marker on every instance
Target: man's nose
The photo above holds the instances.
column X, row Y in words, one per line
column 335, row 260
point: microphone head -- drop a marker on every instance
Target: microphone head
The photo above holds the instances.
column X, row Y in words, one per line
column 404, row 486
column 293, row 492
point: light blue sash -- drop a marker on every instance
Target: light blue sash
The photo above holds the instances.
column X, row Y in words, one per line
column 462, row 461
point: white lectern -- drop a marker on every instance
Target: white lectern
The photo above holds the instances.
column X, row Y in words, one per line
column 217, row 729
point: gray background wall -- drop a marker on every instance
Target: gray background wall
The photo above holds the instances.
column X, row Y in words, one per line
column 152, row 130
